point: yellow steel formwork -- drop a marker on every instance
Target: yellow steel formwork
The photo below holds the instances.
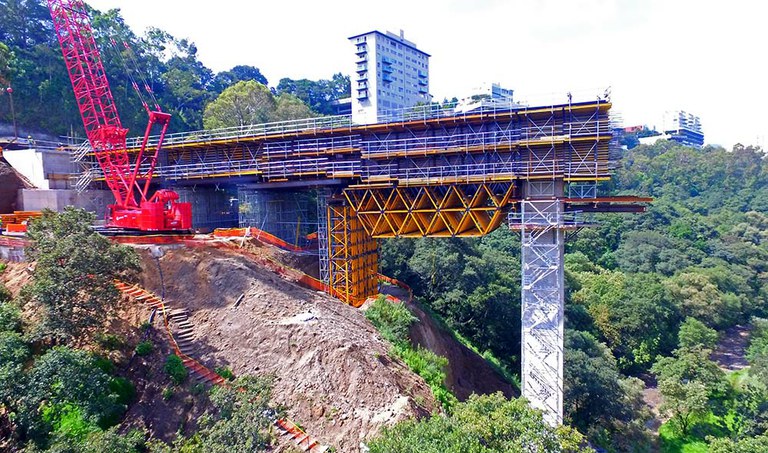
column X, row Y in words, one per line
column 353, row 256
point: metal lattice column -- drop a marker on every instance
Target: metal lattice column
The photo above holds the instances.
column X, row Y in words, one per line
column 322, row 234
column 352, row 256
column 543, row 239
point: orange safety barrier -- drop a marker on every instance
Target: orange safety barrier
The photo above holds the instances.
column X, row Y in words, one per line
column 256, row 233
column 15, row 228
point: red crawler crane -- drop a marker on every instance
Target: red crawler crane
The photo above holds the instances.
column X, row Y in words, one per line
column 161, row 212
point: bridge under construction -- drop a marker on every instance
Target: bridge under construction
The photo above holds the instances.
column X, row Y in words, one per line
column 426, row 172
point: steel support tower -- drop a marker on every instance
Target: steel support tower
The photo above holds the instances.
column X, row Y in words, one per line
column 542, row 224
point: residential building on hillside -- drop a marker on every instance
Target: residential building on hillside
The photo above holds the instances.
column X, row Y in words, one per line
column 390, row 74
column 684, row 128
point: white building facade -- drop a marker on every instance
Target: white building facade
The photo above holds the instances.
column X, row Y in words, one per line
column 390, row 74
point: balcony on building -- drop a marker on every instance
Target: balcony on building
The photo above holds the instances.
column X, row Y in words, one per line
column 423, row 82
column 362, row 68
column 362, row 77
column 362, row 94
column 422, row 74
column 386, row 68
column 362, row 48
column 386, row 77
column 423, row 90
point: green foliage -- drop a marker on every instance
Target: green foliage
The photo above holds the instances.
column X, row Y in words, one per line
column 391, row 319
column 98, row 441
column 10, row 316
column 473, row 284
column 250, row 102
column 74, row 274
column 168, row 393
column 745, row 445
column 67, row 420
column 63, row 379
column 488, row 423
column 598, row 401
column 144, row 348
column 619, row 306
column 108, row 341
column 175, row 369
column 13, row 354
column 242, row 419
column 695, row 334
column 690, row 384
column 124, row 390
column 318, row 95
column 225, row 372
column 431, row 367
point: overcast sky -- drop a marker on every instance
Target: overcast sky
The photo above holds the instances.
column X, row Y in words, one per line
column 707, row 57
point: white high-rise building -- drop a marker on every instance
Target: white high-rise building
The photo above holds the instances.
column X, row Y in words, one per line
column 390, row 74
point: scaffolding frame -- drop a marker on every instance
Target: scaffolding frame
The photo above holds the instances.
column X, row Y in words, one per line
column 542, row 222
column 352, row 255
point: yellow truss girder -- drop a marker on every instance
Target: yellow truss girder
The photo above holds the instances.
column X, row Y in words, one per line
column 462, row 210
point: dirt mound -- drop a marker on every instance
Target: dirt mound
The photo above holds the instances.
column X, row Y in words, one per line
column 15, row 276
column 10, row 183
column 332, row 369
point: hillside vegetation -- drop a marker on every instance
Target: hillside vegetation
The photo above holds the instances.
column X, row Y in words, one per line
column 697, row 258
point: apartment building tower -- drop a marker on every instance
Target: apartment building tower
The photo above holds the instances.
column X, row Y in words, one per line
column 390, row 74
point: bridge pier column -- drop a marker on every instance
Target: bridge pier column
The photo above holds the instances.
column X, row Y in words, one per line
column 349, row 254
column 280, row 213
column 541, row 223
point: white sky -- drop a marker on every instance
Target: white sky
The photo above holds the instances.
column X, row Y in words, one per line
column 707, row 57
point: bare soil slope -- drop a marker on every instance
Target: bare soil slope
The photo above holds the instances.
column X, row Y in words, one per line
column 467, row 372
column 10, row 183
column 332, row 370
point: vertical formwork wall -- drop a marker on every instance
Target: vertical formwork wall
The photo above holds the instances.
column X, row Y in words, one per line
column 353, row 260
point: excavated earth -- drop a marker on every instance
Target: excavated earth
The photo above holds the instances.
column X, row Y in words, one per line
column 332, row 370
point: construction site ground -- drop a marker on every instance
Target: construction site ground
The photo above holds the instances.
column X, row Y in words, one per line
column 333, row 372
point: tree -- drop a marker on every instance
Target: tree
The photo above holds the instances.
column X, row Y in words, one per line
column 68, row 392
column 695, row 334
column 685, row 401
column 598, row 400
column 13, row 354
column 690, row 383
column 745, row 445
column 482, row 424
column 73, row 279
column 225, row 79
column 6, row 60
column 244, row 103
column 700, row 298
column 289, row 107
column 317, row 94
column 620, row 305
column 242, row 419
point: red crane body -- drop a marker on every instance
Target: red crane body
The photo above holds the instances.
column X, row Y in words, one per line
column 107, row 136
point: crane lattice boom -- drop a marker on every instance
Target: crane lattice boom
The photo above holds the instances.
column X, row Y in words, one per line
column 129, row 183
